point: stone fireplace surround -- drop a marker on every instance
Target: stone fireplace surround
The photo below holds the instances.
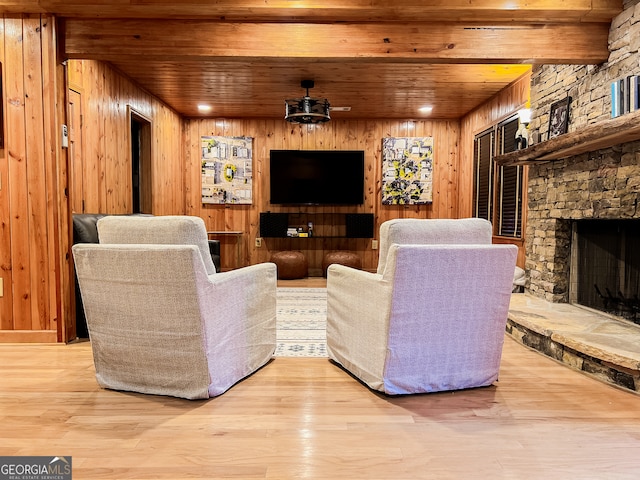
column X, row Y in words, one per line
column 604, row 184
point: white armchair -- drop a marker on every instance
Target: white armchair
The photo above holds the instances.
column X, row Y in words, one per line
column 432, row 319
column 160, row 320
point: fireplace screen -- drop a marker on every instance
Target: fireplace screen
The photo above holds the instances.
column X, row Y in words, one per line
column 607, row 254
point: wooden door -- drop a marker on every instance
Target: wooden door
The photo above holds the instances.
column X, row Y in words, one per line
column 141, row 171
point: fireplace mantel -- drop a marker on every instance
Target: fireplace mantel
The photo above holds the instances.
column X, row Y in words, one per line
column 604, row 134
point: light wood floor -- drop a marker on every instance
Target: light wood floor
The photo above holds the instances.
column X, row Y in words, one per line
column 306, row 418
column 303, row 418
column 308, row 282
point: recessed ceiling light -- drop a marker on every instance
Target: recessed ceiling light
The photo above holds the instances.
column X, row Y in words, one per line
column 340, row 109
column 425, row 110
column 202, row 108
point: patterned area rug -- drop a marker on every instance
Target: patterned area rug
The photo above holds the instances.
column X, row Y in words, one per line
column 301, row 322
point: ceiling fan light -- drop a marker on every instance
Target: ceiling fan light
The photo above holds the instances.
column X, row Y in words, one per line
column 307, row 110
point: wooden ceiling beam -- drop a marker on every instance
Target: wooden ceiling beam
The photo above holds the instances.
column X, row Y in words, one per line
column 543, row 11
column 116, row 40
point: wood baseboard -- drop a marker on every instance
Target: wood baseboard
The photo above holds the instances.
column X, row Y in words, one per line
column 28, row 336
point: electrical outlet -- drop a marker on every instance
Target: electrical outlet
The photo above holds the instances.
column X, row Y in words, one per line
column 374, row 244
column 258, row 242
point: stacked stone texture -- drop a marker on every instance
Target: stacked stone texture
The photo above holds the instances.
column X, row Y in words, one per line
column 604, row 184
column 589, row 86
column 599, row 185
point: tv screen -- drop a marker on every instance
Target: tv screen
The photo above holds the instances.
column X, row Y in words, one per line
column 317, row 177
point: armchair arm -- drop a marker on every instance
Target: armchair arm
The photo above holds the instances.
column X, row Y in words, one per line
column 358, row 306
column 240, row 328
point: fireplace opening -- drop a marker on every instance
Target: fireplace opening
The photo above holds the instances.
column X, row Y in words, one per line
column 605, row 268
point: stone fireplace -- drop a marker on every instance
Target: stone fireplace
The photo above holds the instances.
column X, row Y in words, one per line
column 591, row 174
column 572, row 203
column 600, row 185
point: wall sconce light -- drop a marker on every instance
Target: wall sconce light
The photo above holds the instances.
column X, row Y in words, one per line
column 522, row 135
column 524, row 115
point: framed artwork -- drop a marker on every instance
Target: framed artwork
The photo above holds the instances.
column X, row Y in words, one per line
column 407, row 170
column 559, row 117
column 227, row 169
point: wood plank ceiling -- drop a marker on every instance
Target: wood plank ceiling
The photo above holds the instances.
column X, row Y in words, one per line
column 381, row 58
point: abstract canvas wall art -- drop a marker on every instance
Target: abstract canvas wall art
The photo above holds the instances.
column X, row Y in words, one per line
column 227, row 169
column 407, row 170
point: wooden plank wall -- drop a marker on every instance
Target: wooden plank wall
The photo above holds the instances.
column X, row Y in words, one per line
column 106, row 98
column 503, row 105
column 29, row 208
column 33, row 286
column 364, row 135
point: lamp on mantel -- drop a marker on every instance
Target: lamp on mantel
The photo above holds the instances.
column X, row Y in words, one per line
column 522, row 135
column 307, row 110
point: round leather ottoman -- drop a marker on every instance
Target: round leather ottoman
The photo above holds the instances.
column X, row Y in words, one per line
column 290, row 264
column 348, row 259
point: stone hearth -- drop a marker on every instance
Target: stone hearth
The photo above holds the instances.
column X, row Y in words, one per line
column 583, row 339
column 603, row 184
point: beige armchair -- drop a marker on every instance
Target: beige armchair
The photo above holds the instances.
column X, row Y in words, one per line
column 432, row 318
column 160, row 320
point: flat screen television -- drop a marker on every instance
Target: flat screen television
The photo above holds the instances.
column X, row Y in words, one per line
column 317, row 177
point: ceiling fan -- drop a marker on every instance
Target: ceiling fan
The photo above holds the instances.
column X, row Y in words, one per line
column 307, row 110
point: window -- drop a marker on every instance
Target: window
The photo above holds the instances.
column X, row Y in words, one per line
column 483, row 174
column 498, row 190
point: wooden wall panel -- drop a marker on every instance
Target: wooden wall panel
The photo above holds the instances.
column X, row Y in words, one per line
column 34, row 222
column 35, row 232
column 29, row 306
column 271, row 134
column 16, row 138
column 500, row 107
column 36, row 173
column 106, row 94
column 57, row 205
column 6, row 305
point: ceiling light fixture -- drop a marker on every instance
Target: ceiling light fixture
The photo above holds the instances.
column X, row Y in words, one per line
column 425, row 110
column 202, row 108
column 307, row 110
